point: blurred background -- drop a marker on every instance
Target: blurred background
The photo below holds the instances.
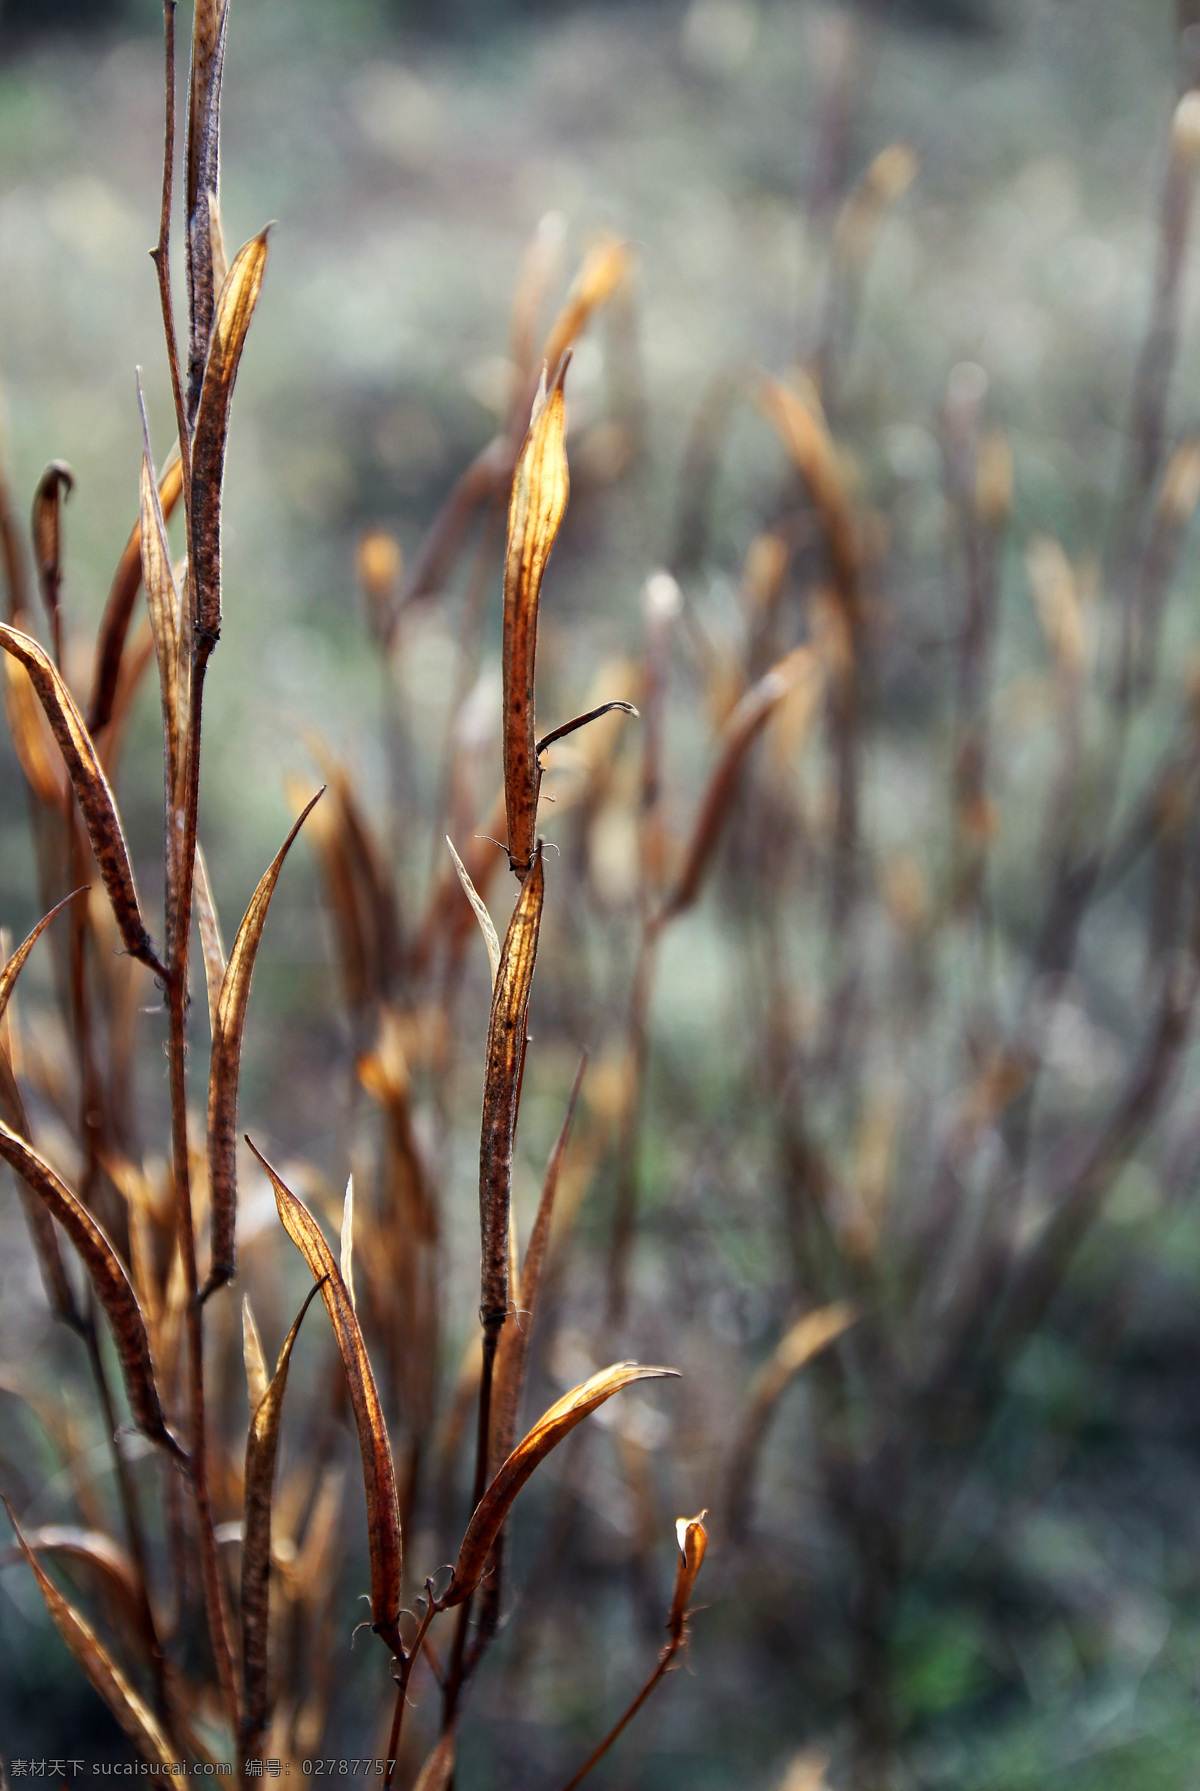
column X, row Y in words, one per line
column 955, row 1089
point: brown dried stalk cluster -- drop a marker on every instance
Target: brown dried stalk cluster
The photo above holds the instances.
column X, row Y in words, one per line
column 140, row 1244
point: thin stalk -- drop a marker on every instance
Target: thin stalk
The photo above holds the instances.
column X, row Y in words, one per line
column 668, row 1654
column 177, row 998
column 407, row 1662
column 455, row 1674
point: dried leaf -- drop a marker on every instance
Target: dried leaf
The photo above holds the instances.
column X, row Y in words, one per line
column 379, row 1478
column 742, row 728
column 102, row 1557
column 211, row 943
column 231, row 320
column 347, row 1241
column 108, row 1277
column 134, row 1716
column 539, row 499
column 549, row 1430
column 438, row 1771
column 110, row 642
column 262, row 1442
column 225, row 1065
column 15, row 964
column 501, row 1091
column 487, row 925
column 257, row 1377
column 91, row 789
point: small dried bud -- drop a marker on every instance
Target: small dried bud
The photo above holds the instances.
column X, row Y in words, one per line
column 379, row 564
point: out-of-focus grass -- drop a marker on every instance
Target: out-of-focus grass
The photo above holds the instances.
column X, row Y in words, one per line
column 406, row 178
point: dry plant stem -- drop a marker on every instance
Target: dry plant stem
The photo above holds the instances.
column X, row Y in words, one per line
column 594, row 1758
column 455, row 1676
column 177, row 988
column 408, row 1661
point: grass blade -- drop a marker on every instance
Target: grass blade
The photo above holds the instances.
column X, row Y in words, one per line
column 262, row 1443
column 379, row 1477
column 225, row 1066
column 91, row 789
column 539, row 498
column 549, row 1430
column 134, row 1716
column 108, row 1277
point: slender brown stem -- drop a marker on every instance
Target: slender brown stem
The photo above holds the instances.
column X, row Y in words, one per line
column 161, row 253
column 407, row 1663
column 667, row 1656
column 455, row 1674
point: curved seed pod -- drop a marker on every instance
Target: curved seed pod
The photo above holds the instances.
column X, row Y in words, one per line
column 501, row 1091
column 122, row 595
column 14, row 966
column 693, row 1546
column 54, row 487
column 539, row 498
column 379, row 1476
column 91, row 790
column 231, row 320
column 226, row 1063
column 134, row 1716
column 549, row 1430
column 740, row 730
column 108, row 1277
column 262, row 1442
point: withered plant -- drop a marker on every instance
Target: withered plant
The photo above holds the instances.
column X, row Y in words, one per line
column 247, row 1665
